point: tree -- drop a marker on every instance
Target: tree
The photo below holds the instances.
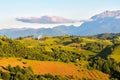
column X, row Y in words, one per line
column 5, row 76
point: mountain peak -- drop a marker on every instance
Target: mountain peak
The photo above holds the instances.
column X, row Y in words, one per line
column 114, row 14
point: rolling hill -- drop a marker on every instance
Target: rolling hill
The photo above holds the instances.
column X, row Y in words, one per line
column 69, row 56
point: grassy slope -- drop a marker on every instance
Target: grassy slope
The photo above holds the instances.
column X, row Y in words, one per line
column 116, row 53
column 49, row 41
column 54, row 68
column 56, row 42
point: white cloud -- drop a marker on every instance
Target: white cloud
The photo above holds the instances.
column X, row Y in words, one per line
column 17, row 24
column 45, row 20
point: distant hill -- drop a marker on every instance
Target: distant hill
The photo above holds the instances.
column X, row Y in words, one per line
column 106, row 22
column 109, row 36
column 56, row 31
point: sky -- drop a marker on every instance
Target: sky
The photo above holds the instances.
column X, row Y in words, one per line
column 71, row 9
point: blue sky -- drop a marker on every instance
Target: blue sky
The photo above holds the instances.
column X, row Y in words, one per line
column 72, row 9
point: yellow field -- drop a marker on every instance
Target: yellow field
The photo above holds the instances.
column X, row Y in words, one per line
column 54, row 68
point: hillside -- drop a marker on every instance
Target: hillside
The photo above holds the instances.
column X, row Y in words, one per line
column 115, row 53
column 111, row 52
column 76, row 55
column 54, row 68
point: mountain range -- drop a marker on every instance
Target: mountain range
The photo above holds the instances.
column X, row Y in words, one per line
column 105, row 22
